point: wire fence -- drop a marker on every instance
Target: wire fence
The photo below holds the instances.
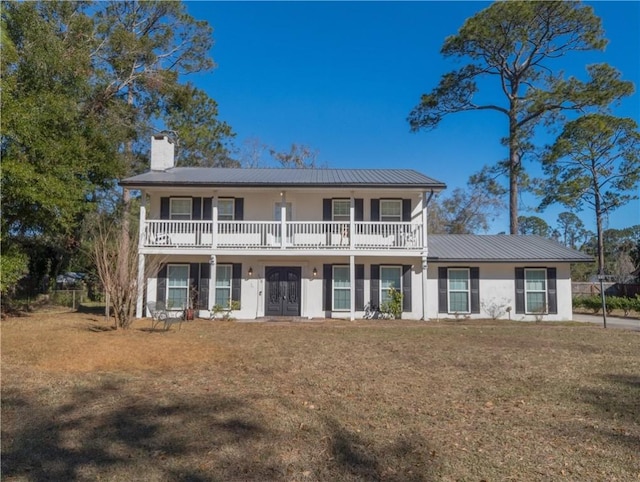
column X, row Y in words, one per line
column 70, row 298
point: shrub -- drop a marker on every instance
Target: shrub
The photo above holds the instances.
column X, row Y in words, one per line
column 393, row 307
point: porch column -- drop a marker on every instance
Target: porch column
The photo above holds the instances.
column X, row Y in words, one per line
column 141, row 237
column 352, row 287
column 214, row 222
column 283, row 219
column 352, row 217
column 140, row 287
column 212, row 282
column 426, row 197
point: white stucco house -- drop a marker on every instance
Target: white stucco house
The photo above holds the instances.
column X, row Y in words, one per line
column 325, row 243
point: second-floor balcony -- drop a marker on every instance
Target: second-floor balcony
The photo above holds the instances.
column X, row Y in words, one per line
column 277, row 235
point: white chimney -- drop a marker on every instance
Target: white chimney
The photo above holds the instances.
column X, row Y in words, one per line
column 162, row 153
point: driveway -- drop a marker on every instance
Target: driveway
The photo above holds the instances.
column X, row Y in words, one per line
column 612, row 321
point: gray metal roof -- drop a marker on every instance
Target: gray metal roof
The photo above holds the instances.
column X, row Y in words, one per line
column 500, row 248
column 275, row 177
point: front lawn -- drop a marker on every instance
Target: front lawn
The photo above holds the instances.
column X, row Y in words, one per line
column 332, row 400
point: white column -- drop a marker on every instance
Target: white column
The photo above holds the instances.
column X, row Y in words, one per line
column 141, row 277
column 212, row 282
column 352, row 286
column 283, row 219
column 352, row 217
column 140, row 288
column 425, row 252
column 214, row 226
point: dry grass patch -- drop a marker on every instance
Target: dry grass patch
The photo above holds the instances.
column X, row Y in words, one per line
column 335, row 400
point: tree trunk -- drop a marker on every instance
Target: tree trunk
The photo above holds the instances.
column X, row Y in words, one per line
column 514, row 171
column 598, row 209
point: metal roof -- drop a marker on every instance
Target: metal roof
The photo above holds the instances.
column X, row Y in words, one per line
column 277, row 177
column 500, row 248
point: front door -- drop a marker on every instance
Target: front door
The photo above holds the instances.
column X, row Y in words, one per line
column 283, row 285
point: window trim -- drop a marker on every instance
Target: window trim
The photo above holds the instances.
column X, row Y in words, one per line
column 233, row 208
column 397, row 218
column 334, row 288
column 171, row 213
column 545, row 291
column 381, row 278
column 169, row 286
column 333, row 210
column 468, row 290
column 229, row 288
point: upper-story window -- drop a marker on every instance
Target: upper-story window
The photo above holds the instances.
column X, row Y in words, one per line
column 226, row 209
column 180, row 208
column 340, row 210
column 391, row 210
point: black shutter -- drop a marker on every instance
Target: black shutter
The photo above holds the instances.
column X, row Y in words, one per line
column 359, row 209
column 326, row 209
column 165, row 208
column 552, row 294
column 474, row 273
column 374, row 285
column 406, row 210
column 161, row 285
column 238, row 214
column 326, row 284
column 196, row 208
column 443, row 305
column 207, row 209
column 194, row 285
column 235, row 282
column 359, row 287
column 203, row 298
column 375, row 210
column 406, row 288
column 519, row 290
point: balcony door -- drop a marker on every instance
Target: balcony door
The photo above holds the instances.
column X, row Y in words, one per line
column 283, row 286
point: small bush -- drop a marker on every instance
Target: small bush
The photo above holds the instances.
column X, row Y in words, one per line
column 594, row 303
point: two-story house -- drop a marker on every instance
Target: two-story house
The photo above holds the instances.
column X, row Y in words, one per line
column 324, row 243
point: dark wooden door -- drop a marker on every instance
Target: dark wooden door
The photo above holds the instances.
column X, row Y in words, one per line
column 283, row 285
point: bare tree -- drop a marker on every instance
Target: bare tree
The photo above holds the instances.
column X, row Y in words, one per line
column 116, row 263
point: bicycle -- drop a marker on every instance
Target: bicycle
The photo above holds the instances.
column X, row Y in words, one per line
column 371, row 312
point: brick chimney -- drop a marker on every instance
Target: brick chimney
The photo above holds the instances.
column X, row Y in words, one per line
column 162, row 153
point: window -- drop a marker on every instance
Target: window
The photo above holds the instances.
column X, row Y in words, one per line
column 340, row 210
column 224, row 274
column 390, row 277
column 177, row 286
column 226, row 209
column 341, row 288
column 535, row 286
column 391, row 210
column 180, row 209
column 458, row 290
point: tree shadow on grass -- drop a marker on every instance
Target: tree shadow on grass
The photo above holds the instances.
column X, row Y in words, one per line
column 617, row 403
column 408, row 458
column 105, row 432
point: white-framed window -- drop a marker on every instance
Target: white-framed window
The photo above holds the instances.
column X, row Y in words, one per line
column 458, row 290
column 224, row 275
column 226, row 209
column 340, row 210
column 180, row 208
column 341, row 288
column 177, row 286
column 535, row 290
column 391, row 210
column 390, row 277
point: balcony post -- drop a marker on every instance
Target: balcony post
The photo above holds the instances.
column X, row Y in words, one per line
column 214, row 221
column 283, row 219
column 352, row 230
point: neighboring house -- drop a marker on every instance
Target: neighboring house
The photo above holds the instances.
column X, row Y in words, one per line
column 327, row 242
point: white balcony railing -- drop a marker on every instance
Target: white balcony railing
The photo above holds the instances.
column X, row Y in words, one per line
column 268, row 235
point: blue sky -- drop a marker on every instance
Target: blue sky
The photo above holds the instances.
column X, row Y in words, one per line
column 342, row 77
